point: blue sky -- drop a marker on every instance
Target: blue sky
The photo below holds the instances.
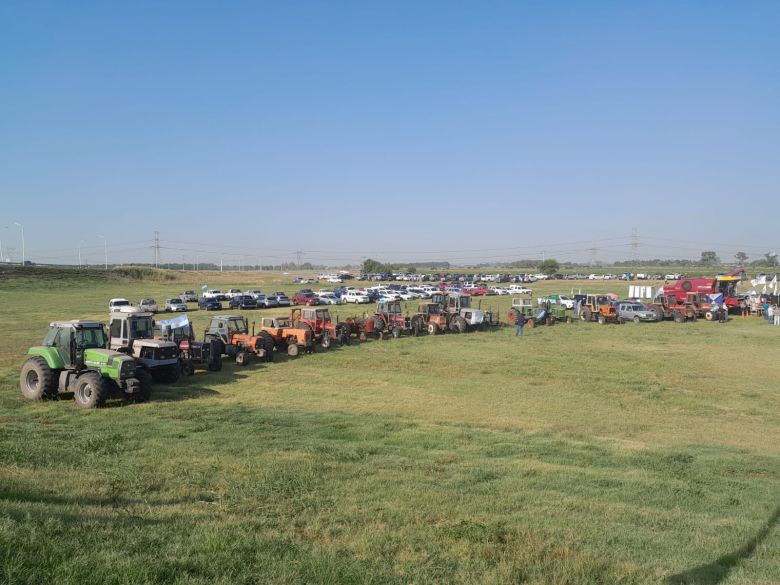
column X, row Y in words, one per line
column 466, row 131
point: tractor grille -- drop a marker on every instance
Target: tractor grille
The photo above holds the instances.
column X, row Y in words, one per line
column 167, row 353
column 128, row 369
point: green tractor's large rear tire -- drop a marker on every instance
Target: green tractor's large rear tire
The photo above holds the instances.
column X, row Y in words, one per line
column 37, row 381
column 90, row 391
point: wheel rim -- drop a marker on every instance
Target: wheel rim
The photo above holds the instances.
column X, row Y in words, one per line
column 32, row 380
column 85, row 393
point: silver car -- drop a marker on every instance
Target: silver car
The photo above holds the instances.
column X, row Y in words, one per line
column 635, row 311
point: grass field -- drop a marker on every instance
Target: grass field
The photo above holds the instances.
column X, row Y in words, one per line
column 578, row 454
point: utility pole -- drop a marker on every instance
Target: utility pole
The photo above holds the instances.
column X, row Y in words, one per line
column 21, row 227
column 81, row 242
column 197, row 261
column 221, row 260
column 593, row 253
column 634, row 245
column 156, row 249
column 182, row 261
column 105, row 251
column 298, row 256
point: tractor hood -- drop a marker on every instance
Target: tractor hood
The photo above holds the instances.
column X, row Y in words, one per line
column 473, row 316
column 153, row 343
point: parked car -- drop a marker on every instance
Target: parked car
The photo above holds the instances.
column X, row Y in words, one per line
column 242, row 302
column 215, row 294
column 148, row 305
column 355, row 296
column 266, row 302
column 209, row 304
column 329, row 298
column 281, row 299
column 116, row 305
column 189, row 296
column 234, row 292
column 305, row 298
column 634, row 311
column 175, row 305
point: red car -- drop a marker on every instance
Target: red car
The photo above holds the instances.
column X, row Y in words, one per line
column 305, row 298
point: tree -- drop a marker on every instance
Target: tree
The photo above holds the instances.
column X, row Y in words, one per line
column 709, row 258
column 741, row 257
column 371, row 266
column 771, row 258
column 548, row 267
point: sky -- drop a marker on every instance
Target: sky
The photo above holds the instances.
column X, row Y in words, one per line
column 400, row 131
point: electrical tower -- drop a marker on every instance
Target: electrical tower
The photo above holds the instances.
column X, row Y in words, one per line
column 593, row 253
column 634, row 245
column 298, row 256
column 156, row 249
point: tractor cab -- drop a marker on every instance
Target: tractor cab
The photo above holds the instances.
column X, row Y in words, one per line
column 311, row 315
column 389, row 308
column 72, row 338
column 429, row 309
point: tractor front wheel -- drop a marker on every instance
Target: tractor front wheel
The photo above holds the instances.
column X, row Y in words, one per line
column 325, row 340
column 90, row 391
column 433, row 328
column 242, row 358
column 709, row 316
column 396, row 332
column 292, row 350
column 601, row 319
column 187, row 369
column 37, row 381
column 585, row 314
column 142, row 391
column 678, row 316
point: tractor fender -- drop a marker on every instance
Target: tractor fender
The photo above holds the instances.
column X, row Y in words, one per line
column 53, row 359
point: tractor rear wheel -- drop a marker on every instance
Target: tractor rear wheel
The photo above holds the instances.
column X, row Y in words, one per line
column 601, row 319
column 292, row 350
column 268, row 345
column 345, row 333
column 461, row 324
column 37, row 381
column 585, row 314
column 90, row 390
column 242, row 358
column 433, row 328
column 215, row 358
column 362, row 336
column 709, row 316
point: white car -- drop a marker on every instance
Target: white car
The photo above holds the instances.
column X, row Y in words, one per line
column 500, row 291
column 355, row 296
column 214, row 294
column 328, row 298
column 234, row 292
column 565, row 301
column 175, row 305
column 148, row 305
column 519, row 290
column 115, row 305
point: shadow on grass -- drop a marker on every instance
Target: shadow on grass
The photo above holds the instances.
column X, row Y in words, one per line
column 716, row 572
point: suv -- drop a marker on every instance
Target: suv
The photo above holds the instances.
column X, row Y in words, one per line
column 233, row 293
column 209, row 304
column 189, row 296
column 242, row 302
column 305, row 298
column 636, row 312
column 174, row 305
column 148, row 305
column 115, row 305
column 281, row 299
column 355, row 296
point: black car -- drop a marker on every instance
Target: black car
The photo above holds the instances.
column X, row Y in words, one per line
column 209, row 304
column 243, row 302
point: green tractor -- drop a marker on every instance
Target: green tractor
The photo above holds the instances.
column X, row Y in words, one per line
column 73, row 358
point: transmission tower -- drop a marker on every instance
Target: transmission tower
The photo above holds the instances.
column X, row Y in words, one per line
column 298, row 256
column 156, row 249
column 634, row 245
column 593, row 253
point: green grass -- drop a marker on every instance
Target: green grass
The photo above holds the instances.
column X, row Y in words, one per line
column 577, row 454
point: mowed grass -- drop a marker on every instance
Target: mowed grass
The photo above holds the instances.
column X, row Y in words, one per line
column 577, row 454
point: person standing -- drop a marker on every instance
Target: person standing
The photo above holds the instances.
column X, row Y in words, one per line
column 724, row 313
column 519, row 324
column 777, row 315
column 770, row 313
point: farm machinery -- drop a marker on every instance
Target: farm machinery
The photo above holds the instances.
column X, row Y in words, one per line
column 234, row 339
column 323, row 329
column 192, row 352
column 598, row 308
column 725, row 284
column 132, row 332
column 286, row 336
column 387, row 320
column 432, row 318
column 545, row 314
column 73, row 358
column 461, row 316
column 668, row 306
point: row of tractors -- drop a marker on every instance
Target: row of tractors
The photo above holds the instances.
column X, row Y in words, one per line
column 95, row 363
column 602, row 309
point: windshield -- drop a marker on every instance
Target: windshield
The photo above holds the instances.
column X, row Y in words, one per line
column 284, row 322
column 465, row 302
column 121, row 303
column 324, row 315
column 393, row 308
column 238, row 325
column 87, row 338
column 140, row 328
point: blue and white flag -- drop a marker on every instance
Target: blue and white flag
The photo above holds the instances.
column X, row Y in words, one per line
column 176, row 323
column 205, row 287
column 718, row 298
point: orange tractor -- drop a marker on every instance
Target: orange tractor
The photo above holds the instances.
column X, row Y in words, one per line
column 432, row 318
column 286, row 337
column 323, row 329
column 233, row 337
column 598, row 308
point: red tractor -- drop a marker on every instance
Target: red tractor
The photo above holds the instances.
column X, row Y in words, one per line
column 667, row 306
column 725, row 284
column 389, row 320
column 319, row 322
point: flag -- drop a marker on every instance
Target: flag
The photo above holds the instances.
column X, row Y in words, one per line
column 176, row 323
column 760, row 280
column 763, row 291
column 718, row 298
column 774, row 283
column 205, row 287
